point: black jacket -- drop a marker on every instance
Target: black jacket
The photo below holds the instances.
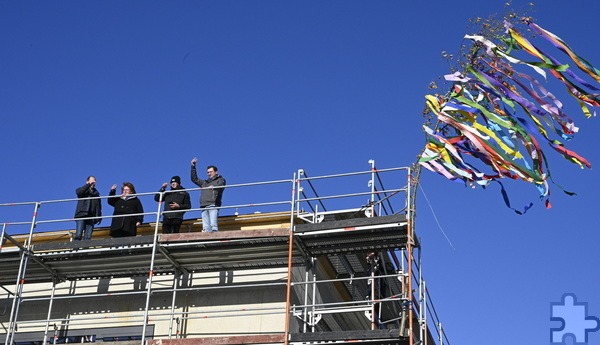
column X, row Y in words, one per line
column 87, row 207
column 178, row 195
column 125, row 226
column 209, row 196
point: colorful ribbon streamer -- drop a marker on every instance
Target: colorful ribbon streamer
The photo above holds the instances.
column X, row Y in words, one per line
column 493, row 119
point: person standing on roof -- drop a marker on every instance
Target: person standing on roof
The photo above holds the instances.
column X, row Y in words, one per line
column 89, row 207
column 210, row 196
column 126, row 204
column 175, row 200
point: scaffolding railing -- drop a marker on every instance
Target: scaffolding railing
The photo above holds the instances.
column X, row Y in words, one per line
column 304, row 205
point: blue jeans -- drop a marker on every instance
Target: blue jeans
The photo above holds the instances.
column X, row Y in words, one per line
column 210, row 215
column 88, row 225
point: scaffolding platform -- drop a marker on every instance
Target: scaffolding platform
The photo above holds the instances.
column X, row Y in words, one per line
column 203, row 251
column 382, row 337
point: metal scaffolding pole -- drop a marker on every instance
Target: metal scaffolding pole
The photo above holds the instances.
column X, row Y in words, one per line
column 304, row 310
column 21, row 280
column 373, row 316
column 177, row 275
column 288, row 297
column 409, row 264
column 314, row 295
column 423, row 322
column 151, row 272
column 12, row 321
column 2, row 236
column 372, row 185
column 50, row 304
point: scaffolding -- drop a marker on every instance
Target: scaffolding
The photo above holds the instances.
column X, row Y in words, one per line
column 296, row 271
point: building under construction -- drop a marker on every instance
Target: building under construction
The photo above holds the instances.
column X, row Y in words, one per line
column 305, row 260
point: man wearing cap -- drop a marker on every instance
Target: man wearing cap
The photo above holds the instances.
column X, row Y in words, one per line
column 176, row 200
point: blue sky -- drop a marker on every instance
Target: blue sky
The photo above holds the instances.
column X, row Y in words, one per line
column 132, row 90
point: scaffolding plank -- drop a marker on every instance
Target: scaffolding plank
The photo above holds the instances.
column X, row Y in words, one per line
column 225, row 340
column 350, row 223
column 382, row 336
column 354, row 241
column 223, row 235
column 104, row 242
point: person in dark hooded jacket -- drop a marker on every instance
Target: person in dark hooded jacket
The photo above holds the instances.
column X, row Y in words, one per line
column 176, row 200
column 127, row 203
column 88, row 206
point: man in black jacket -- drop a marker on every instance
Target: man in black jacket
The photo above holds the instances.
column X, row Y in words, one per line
column 176, row 200
column 88, row 207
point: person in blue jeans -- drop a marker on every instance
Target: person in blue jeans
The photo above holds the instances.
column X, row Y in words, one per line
column 88, row 207
column 210, row 196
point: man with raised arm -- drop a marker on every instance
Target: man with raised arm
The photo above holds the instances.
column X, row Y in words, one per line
column 88, row 206
column 210, row 196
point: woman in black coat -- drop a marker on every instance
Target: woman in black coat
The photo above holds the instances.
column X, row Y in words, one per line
column 124, row 204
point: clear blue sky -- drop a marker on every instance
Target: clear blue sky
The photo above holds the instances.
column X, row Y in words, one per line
column 132, row 90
